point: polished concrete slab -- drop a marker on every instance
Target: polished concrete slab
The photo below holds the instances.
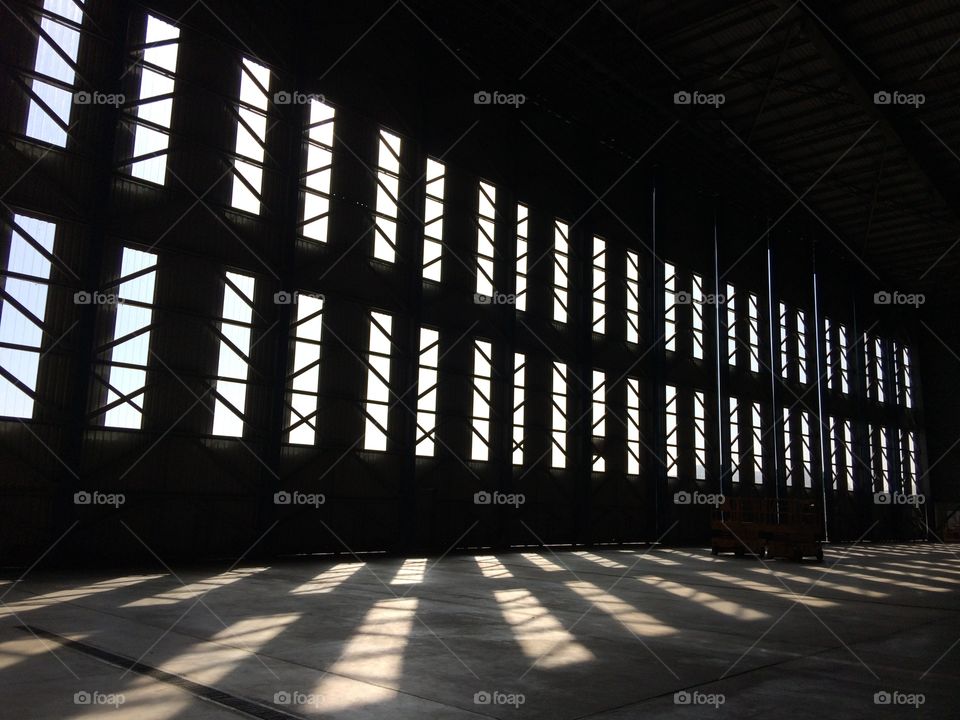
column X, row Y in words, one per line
column 606, row 633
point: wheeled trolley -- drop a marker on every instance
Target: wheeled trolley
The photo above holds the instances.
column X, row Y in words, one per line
column 783, row 528
column 736, row 527
column 797, row 532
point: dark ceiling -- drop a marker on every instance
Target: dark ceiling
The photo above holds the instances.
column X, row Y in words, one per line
column 799, row 79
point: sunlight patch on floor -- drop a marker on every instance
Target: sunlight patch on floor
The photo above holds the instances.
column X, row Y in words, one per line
column 541, row 562
column 701, row 597
column 491, row 567
column 328, row 580
column 605, row 562
column 637, row 622
column 411, row 572
column 538, row 632
column 194, row 590
column 373, row 654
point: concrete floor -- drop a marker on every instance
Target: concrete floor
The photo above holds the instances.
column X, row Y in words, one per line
column 607, row 634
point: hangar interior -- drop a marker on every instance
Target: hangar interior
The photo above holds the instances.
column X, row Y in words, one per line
column 414, row 359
